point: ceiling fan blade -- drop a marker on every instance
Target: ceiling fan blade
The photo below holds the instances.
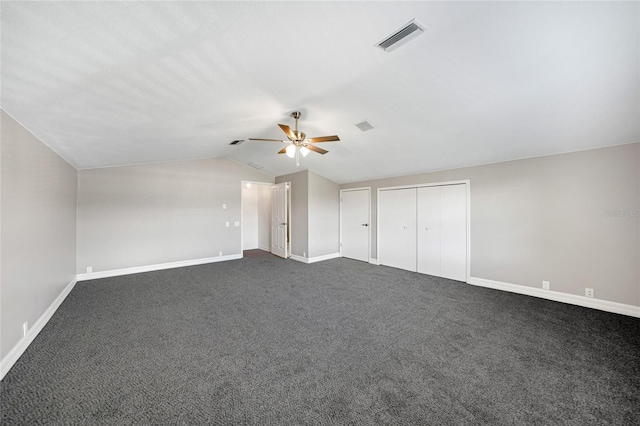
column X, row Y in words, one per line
column 283, row 150
column 333, row 138
column 316, row 149
column 266, row 140
column 287, row 131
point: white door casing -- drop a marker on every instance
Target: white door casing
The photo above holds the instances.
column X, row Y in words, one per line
column 355, row 224
column 279, row 219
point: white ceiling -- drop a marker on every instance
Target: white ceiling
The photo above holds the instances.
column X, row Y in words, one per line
column 114, row 83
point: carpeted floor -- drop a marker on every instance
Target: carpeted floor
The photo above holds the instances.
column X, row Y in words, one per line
column 269, row 341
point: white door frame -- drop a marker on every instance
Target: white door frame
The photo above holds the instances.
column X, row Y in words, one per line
column 368, row 189
column 467, row 182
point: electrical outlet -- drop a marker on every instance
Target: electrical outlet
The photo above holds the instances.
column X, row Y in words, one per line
column 219, row 253
column 25, row 328
column 89, row 269
column 304, row 254
column 589, row 292
column 545, row 285
column 236, row 223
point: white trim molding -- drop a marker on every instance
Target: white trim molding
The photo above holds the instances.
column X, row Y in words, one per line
column 374, row 261
column 158, row 267
column 587, row 302
column 314, row 259
column 23, row 344
column 299, row 258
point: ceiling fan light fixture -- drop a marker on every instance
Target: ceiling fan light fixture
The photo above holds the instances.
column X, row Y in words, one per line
column 291, row 151
column 298, row 143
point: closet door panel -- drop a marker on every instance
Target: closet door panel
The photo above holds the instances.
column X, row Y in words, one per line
column 453, row 231
column 428, row 203
column 397, row 228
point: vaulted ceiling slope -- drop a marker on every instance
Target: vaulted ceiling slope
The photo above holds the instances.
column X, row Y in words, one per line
column 114, row 83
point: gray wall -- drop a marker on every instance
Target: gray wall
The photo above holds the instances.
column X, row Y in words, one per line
column 571, row 219
column 315, row 214
column 299, row 211
column 158, row 213
column 38, row 229
column 324, row 216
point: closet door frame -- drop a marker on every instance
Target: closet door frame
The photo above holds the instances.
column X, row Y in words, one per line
column 467, row 184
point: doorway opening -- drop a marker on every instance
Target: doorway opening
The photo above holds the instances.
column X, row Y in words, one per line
column 265, row 215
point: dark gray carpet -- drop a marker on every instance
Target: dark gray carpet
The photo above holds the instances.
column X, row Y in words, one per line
column 269, row 341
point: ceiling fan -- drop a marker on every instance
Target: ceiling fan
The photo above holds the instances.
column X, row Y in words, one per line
column 298, row 142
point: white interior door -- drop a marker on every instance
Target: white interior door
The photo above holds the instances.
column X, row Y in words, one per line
column 279, row 219
column 429, row 230
column 453, row 228
column 397, row 228
column 354, row 224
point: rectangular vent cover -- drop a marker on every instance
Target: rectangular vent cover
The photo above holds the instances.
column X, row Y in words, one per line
column 256, row 165
column 237, row 142
column 404, row 34
column 364, row 126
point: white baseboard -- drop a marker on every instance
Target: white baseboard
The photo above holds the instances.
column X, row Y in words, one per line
column 324, row 257
column 158, row 267
column 265, row 248
column 314, row 259
column 23, row 344
column 374, row 261
column 587, row 302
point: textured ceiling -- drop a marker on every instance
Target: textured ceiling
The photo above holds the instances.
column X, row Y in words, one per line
column 113, row 83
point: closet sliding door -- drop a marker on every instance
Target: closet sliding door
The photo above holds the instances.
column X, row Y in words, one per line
column 424, row 229
column 397, row 228
column 453, row 232
column 442, row 231
column 429, row 230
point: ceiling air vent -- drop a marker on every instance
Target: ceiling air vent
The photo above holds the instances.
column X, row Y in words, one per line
column 237, row 142
column 364, row 126
column 403, row 35
column 256, row 165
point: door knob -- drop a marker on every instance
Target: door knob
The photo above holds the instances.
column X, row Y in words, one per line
column 365, row 224
column 283, row 223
